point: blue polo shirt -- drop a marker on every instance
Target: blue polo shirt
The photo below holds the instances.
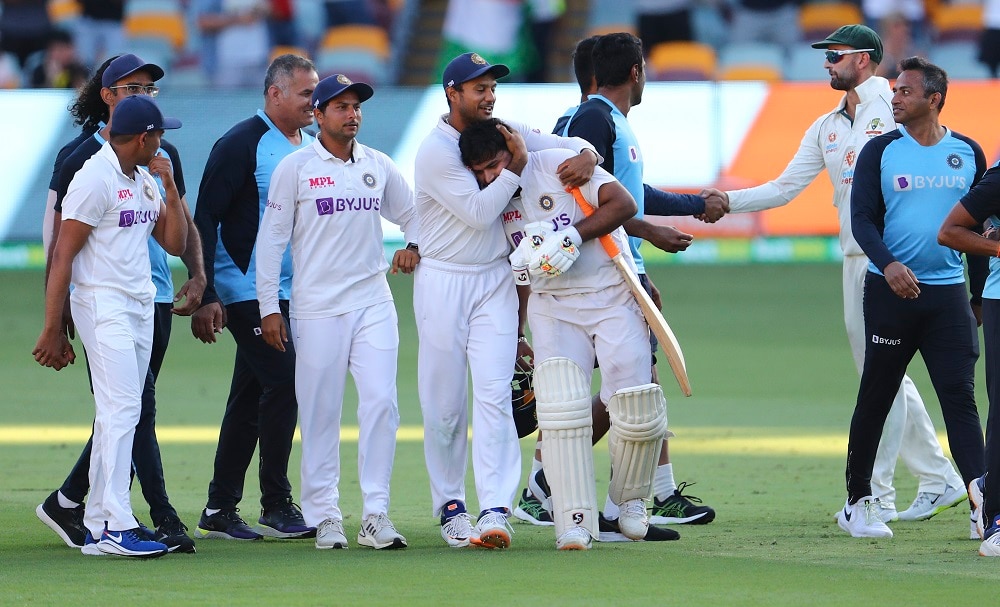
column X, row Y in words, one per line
column 231, row 202
column 903, row 191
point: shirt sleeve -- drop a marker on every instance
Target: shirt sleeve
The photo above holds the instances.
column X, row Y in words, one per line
column 67, row 172
column 979, row 266
column 599, row 130
column 441, row 174
column 86, row 200
column 274, row 233
column 659, row 202
column 536, row 141
column 868, row 204
column 803, row 168
column 397, row 204
column 225, row 171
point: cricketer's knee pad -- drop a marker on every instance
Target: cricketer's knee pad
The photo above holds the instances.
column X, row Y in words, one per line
column 562, row 397
column 638, row 427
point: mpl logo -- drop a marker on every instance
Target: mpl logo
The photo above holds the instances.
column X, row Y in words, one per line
column 902, row 183
column 125, row 194
column 126, row 218
column 321, row 182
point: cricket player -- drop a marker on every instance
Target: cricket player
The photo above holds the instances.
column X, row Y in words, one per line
column 579, row 309
column 466, row 306
column 328, row 199
column 112, row 207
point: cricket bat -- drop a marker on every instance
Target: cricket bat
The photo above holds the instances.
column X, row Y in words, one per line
column 657, row 324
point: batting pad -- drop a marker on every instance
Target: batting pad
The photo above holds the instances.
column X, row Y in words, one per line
column 562, row 400
column 638, row 426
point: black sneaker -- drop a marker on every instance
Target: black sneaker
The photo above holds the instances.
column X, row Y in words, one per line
column 531, row 510
column 173, row 533
column 225, row 525
column 610, row 532
column 285, row 521
column 680, row 508
column 66, row 522
column 145, row 533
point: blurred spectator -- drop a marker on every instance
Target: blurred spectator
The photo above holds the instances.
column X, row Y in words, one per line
column 281, row 23
column 774, row 21
column 989, row 43
column 10, row 73
column 913, row 10
column 544, row 16
column 99, row 32
column 344, row 12
column 897, row 44
column 664, row 21
column 60, row 68
column 24, row 27
column 235, row 44
column 496, row 29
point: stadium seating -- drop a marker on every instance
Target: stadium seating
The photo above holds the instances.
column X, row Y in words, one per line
column 751, row 61
column 819, row 19
column 63, row 12
column 358, row 65
column 805, row 64
column 951, row 22
column 167, row 26
column 681, row 61
column 371, row 38
column 281, row 49
column 959, row 59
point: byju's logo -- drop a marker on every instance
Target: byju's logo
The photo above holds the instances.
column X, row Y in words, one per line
column 902, row 183
column 126, row 219
column 324, row 206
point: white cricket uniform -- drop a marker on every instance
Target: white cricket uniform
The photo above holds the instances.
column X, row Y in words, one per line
column 466, row 313
column 112, row 304
column 587, row 311
column 833, row 143
column 342, row 313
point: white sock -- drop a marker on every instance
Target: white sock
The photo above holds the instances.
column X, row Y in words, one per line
column 611, row 509
column 65, row 502
column 211, row 511
column 663, row 482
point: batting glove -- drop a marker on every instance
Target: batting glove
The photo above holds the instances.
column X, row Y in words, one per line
column 556, row 254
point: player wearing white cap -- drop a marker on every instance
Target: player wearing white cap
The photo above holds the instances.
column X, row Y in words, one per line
column 466, row 306
column 328, row 199
column 112, row 207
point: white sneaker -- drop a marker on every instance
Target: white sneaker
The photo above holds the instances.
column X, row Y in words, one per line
column 576, row 538
column 861, row 519
column 976, row 497
column 928, row 504
column 991, row 543
column 330, row 534
column 493, row 530
column 887, row 511
column 378, row 532
column 633, row 519
column 457, row 530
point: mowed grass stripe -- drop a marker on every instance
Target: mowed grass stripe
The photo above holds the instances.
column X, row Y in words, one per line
column 705, row 440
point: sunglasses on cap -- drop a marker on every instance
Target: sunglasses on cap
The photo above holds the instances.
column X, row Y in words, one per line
column 836, row 56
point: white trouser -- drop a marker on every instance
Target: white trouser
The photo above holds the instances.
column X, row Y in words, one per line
column 366, row 342
column 607, row 324
column 467, row 318
column 908, row 432
column 117, row 332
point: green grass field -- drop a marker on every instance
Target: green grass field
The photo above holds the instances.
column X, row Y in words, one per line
column 764, row 437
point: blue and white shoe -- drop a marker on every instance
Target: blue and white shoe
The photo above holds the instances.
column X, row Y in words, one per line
column 89, row 547
column 976, row 488
column 130, row 543
column 991, row 539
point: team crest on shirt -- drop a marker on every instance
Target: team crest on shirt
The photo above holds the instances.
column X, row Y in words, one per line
column 849, row 157
column 369, row 180
column 831, row 137
column 955, row 161
column 147, row 191
column 546, row 202
column 875, row 127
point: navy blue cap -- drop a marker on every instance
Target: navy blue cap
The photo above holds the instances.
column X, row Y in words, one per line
column 128, row 64
column 138, row 114
column 467, row 66
column 334, row 85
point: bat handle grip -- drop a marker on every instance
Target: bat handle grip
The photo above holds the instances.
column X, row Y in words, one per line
column 606, row 241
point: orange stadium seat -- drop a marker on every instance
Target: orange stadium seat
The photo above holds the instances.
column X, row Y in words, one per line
column 63, row 11
column 751, row 61
column 360, row 65
column 765, row 73
column 953, row 22
column 281, row 49
column 820, row 19
column 368, row 37
column 167, row 26
column 612, row 28
column 681, row 61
